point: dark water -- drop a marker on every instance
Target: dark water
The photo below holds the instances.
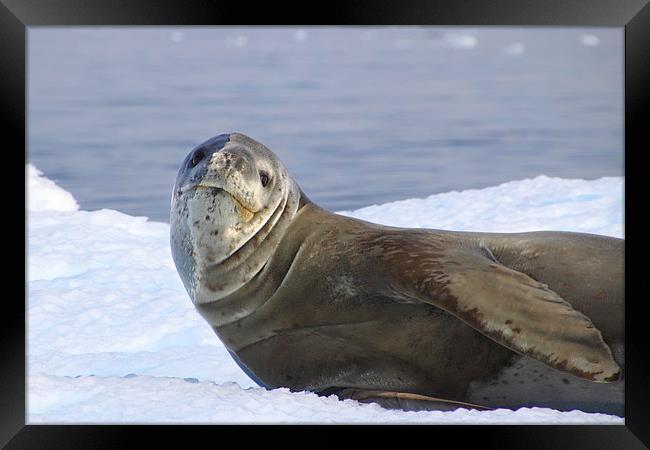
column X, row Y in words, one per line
column 358, row 115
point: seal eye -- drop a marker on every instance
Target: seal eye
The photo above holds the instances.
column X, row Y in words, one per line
column 197, row 157
column 264, row 178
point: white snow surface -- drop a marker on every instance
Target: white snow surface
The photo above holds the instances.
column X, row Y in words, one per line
column 114, row 338
column 43, row 194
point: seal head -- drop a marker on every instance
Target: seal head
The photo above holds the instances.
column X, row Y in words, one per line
column 231, row 204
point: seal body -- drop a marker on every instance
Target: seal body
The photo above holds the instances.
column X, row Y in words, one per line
column 408, row 318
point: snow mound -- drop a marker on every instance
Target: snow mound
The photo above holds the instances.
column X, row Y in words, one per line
column 44, row 195
column 541, row 203
column 145, row 399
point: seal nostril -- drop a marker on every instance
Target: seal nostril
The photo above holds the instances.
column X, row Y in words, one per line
column 197, row 157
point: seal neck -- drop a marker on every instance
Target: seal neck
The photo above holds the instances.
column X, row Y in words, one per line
column 304, row 200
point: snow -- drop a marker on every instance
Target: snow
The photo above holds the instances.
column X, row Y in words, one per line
column 113, row 337
column 542, row 203
column 147, row 399
column 43, row 194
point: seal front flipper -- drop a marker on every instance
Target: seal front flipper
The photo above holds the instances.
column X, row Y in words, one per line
column 505, row 305
column 405, row 401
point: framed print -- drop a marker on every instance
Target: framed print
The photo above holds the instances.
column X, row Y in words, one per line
column 377, row 214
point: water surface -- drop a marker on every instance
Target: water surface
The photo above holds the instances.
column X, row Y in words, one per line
column 360, row 115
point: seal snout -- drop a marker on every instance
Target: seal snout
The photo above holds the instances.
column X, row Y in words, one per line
column 233, row 158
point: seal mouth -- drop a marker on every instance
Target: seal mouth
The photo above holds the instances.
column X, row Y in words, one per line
column 245, row 212
column 214, row 189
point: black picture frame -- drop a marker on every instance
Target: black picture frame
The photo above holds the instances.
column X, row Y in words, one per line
column 17, row 15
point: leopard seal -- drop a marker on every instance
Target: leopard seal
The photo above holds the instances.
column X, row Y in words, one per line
column 408, row 318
